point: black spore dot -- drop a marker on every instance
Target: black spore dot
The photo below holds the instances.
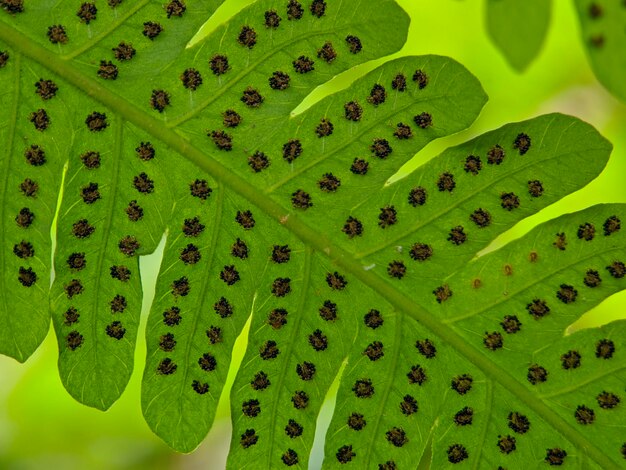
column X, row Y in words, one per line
column 446, row 182
column 607, row 400
column 345, row 454
column 605, row 348
column 90, row 193
column 612, row 225
column 481, row 218
column 96, row 122
column 506, row 444
column 303, row 64
column 214, row 334
column 509, row 201
column 387, row 216
column 560, row 241
column 301, row 200
column 12, row 6
column 300, row 400
column 118, row 304
column 327, row 52
column 230, row 275
column 353, row 227
column 190, row 254
column 353, row 111
column 473, row 164
column 151, row 29
column 281, row 286
column 251, row 408
column 46, row 89
column 200, row 189
column 87, row 12
column 493, row 340
column 159, row 100
column 269, row 350
column 535, row 188
column 200, row 387
column 522, row 143
column 248, row 438
column 74, row 340
column 566, row 294
column 72, row 288
column 290, row 458
column 57, row 34
column 511, row 324
column 328, row 311
column 4, row 58
column 388, row 465
column 381, row 148
column 272, row 19
column 40, row 119
column 399, row 82
column 457, row 453
column 124, row 51
column 396, row 436
column 180, row 287
column 230, row 118
column 207, row 362
column 82, row 229
column 555, row 457
column 617, row 269
column 258, row 162
column 329, row 183
column 281, row 254
column 354, row 44
column 423, row 120
column 396, row 269
column 277, row 318
column 239, row 249
column 171, row 316
column 537, row 374
column 495, row 155
column 356, row 421
column 279, row 81
column 219, row 64
column 175, row 8
column 336, row 281
column 27, row 277
column 23, row 250
column 293, row 429
column 70, row 316
column 245, row 219
column 91, row 160
column 35, row 155
column 191, row 79
column 420, row 252
column 247, row 37
column 24, row 218
column 417, row 196
column 518, row 422
column 318, row 8
column 417, row 375
column 223, row 308
column 294, row 10
column 306, row 370
column 538, row 308
column 420, row 78
column 462, row 384
column 115, row 330
column 260, row 381
column 29, row 188
column 408, row 405
column 192, row 227
column 592, row 278
column 107, row 70
column 374, row 351
column 378, row 95
column 464, row 417
column 442, row 293
column 129, row 245
column 586, row 231
column 167, row 342
column 77, row 261
column 595, row 11
column 324, row 128
column 426, row 348
column 403, row 131
column 584, row 415
column 134, row 211
column 570, row 360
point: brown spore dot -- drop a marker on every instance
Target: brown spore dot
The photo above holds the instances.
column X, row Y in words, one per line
column 191, row 79
column 272, row 19
column 592, row 278
column 423, row 120
column 151, row 29
column 91, row 160
column 229, row 275
column 245, row 219
column 617, row 269
column 258, row 162
column 509, row 201
column 605, row 348
column 537, row 374
column 279, row 81
column 538, row 308
column 506, row 444
column 90, row 193
column 303, row 64
column 522, row 143
column 377, row 95
column 221, row 139
column 74, row 340
column 230, row 118
column 476, row 283
column 446, row 182
column 27, row 277
column 464, row 417
column 623, row 448
column 72, row 288
column 145, row 151
column 118, row 304
column 473, row 164
column 207, row 362
column 493, row 340
column 277, row 318
column 408, row 405
column 612, row 225
column 462, row 384
column 70, row 316
column 134, row 211
column 292, row 149
column 535, row 188
column 374, row 351
column 281, row 286
column 345, row 454
column 82, row 229
column 560, row 242
column 318, row 8
column 35, row 155
column 420, row 78
column 353, row 227
column 269, row 350
column 533, row 256
column 324, row 128
column 584, row 415
column 403, row 131
column 294, row 10
column 336, row 281
column 281, row 253
column 426, row 348
column 57, row 34
column 115, row 330
column 306, row 370
column 214, row 334
column 40, row 119
column 23, row 250
column 248, row 438
column 239, row 249
column 555, row 457
column 190, row 254
column 595, row 11
column 518, row 422
column 87, row 12
column 420, row 252
column 4, row 58
column 200, row 387
column 300, row 400
column 159, row 100
column 200, row 189
column 180, row 287
column 381, row 148
column 247, row 37
column 396, row 436
column 223, row 308
column 12, row 6
column 607, row 400
column 417, row 196
column 566, row 294
column 387, row 216
column 293, row 429
column 457, row 453
column 354, row 44
column 77, row 261
column 29, row 188
column 327, row 52
column 167, row 342
column 301, row 200
column 171, row 316
column 219, row 64
column 192, row 227
column 107, row 70
column 356, row 421
column 124, row 51
column 175, row 8
column 388, row 465
column 329, row 183
column 46, row 89
column 290, row 457
column 481, row 218
column 353, row 111
column 396, row 269
column 24, row 218
column 399, row 82
column 96, row 122
column 511, row 324
column 328, row 311
column 251, row 408
column 417, row 375
column 495, row 155
column 442, row 293
column 586, row 231
column 129, row 245
column 260, row 381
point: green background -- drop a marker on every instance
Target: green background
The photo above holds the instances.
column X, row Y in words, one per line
column 42, row 427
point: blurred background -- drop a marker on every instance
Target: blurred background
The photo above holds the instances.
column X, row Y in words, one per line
column 42, row 427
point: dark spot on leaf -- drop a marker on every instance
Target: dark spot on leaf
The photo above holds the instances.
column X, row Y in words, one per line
column 35, row 155
column 12, row 6
column 354, row 44
column 442, row 293
column 586, row 231
column 219, row 64
column 40, row 119
column 251, row 408
column 324, row 128
column 378, row 95
column 258, row 161
column 27, row 277
column 29, row 187
column 191, row 79
column 279, row 81
column 82, row 229
column 462, row 384
column 522, row 143
column 408, row 405
column 388, row 465
column 481, row 218
column 77, row 261
column 356, row 421
column 200, row 387
column 506, row 444
column 495, row 155
column 4, row 55
column 300, row 400
column 281, row 286
column 293, row 429
column 180, row 287
column 72, row 288
column 537, row 374
column 207, row 362
column 457, row 453
column 107, row 70
column 617, row 269
column 294, row 10
column 151, row 29
column 190, row 254
column 329, row 183
column 96, row 122
column 301, row 200
column 249, row 438
column 584, row 415
column 403, row 131
column 306, row 370
column 290, row 458
column 387, row 216
column 595, row 11
column 345, row 454
column 87, row 12
column 397, row 437
column 535, row 188
column 417, row 375
column 597, row 40
column 70, row 316
column 229, row 275
column 230, row 119
column 567, row 294
column 420, row 78
column 272, row 19
column 167, row 342
column 396, row 269
column 74, row 340
column 446, row 182
column 124, row 51
column 607, row 400
column 23, row 250
column 175, row 8
column 292, row 150
column 493, row 340
column 214, row 334
column 318, row 8
column 90, row 193
column 327, row 52
column 303, row 64
column 159, row 100
column 426, row 348
column 192, row 227
column 363, row 388
column 118, row 304
column 129, row 245
column 24, row 218
column 464, row 417
column 223, row 308
column 605, row 349
column 380, row 148
column 171, row 316
column 200, row 189
column 91, row 160
column 328, row 311
column 57, row 34
column 134, row 211
column 374, row 351
column 277, row 318
column 592, row 278
column 166, row 367
column 417, row 196
column 359, row 166
column 555, row 456
column 353, row 227
column 239, row 249
column 511, row 324
column 612, row 225
column 260, row 381
column 247, row 37
column 269, row 350
column 115, row 330
column 46, row 89
column 518, row 422
column 560, row 242
column 538, row 308
column 420, row 252
column 245, row 219
column 423, row 120
column 399, row 82
column 473, row 164
column 336, row 281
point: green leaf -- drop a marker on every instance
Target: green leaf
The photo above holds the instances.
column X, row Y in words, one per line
column 287, row 222
column 518, row 29
column 602, row 29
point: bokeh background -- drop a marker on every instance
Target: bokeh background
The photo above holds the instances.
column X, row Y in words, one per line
column 41, row 427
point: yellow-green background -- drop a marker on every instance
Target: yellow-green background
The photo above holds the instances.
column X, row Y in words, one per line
column 41, row 427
